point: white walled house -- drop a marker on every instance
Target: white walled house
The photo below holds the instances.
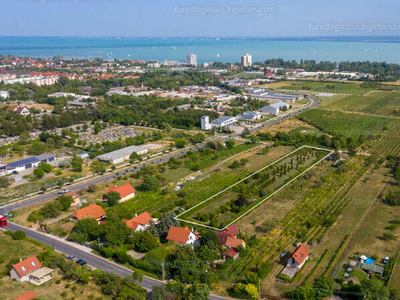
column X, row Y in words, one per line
column 4, row 94
column 299, row 257
column 32, row 271
column 183, row 236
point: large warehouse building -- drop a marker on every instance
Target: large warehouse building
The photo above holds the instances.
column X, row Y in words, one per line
column 121, row 155
column 26, row 163
column 274, row 108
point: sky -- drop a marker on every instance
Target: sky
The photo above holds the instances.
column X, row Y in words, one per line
column 199, row 18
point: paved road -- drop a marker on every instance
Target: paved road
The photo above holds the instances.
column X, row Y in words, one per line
column 92, row 259
column 107, row 177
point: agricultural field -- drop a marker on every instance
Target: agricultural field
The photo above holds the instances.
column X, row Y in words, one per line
column 328, row 87
column 340, row 123
column 317, row 198
column 382, row 133
column 362, row 220
column 227, row 202
column 286, row 126
column 375, row 103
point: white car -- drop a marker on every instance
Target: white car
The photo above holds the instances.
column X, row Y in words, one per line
column 63, row 191
column 177, row 188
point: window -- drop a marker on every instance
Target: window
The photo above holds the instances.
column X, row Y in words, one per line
column 23, row 269
column 33, row 264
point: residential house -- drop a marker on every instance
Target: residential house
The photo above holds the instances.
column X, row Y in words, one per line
column 231, row 253
column 74, row 196
column 140, row 222
column 228, row 238
column 31, row 270
column 92, row 211
column 4, row 94
column 126, row 192
column 183, row 236
column 23, row 111
column 27, row 296
column 232, row 230
column 299, row 257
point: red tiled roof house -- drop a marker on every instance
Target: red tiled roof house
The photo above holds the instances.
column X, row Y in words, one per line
column 74, row 196
column 31, row 270
column 27, row 296
column 92, row 211
column 126, row 192
column 183, row 236
column 299, row 257
column 140, row 222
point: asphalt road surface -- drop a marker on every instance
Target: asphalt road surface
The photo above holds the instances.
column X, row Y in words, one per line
column 97, row 261
column 107, row 177
column 92, row 259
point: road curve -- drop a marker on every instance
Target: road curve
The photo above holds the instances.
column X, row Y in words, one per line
column 95, row 260
column 92, row 259
column 107, row 177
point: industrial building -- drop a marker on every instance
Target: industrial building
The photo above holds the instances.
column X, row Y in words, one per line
column 262, row 95
column 27, row 163
column 224, row 121
column 119, row 156
column 274, row 108
column 250, row 116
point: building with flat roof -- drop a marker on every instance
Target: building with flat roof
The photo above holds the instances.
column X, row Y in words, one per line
column 224, row 121
column 205, row 123
column 246, row 60
column 4, row 94
column 119, row 156
column 276, row 97
column 191, row 59
column 26, row 163
column 274, row 108
column 250, row 116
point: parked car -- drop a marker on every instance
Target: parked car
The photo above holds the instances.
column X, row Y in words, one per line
column 81, row 262
column 177, row 188
column 71, row 257
column 63, row 191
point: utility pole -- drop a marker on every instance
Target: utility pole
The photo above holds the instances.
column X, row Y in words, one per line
column 259, row 290
column 163, row 270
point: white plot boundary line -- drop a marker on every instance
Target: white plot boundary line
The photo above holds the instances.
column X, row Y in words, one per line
column 262, row 201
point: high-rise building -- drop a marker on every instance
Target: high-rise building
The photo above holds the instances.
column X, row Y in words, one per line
column 246, row 60
column 191, row 59
column 205, row 123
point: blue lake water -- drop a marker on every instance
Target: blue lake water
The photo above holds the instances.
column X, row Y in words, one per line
column 206, row 49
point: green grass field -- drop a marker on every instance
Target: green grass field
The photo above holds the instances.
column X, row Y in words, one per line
column 378, row 103
column 254, row 189
column 329, row 87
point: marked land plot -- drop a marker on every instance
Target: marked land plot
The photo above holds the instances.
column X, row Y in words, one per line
column 230, row 204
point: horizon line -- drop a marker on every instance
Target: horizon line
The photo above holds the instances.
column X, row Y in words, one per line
column 202, row 37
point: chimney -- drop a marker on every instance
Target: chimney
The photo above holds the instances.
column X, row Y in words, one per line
column 135, row 215
column 20, row 259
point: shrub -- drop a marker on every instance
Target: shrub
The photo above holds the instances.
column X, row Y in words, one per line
column 19, row 235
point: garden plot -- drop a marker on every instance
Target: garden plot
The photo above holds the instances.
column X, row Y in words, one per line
column 229, row 203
